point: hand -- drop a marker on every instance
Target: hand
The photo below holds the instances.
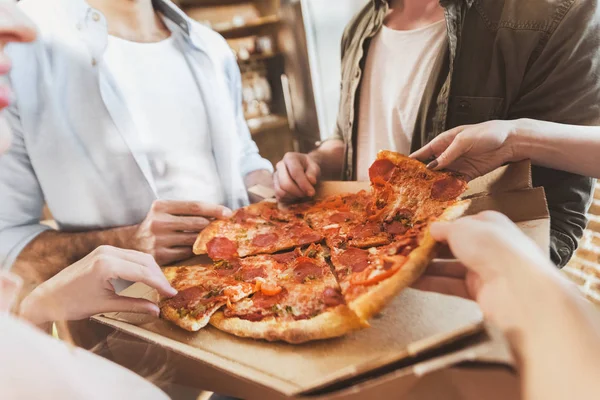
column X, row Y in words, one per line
column 10, row 285
column 14, row 27
column 295, row 177
column 472, row 150
column 85, row 289
column 260, row 177
column 171, row 228
column 502, row 267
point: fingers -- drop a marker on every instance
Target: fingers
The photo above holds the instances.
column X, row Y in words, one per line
column 455, row 149
column 129, row 304
column 191, row 208
column 440, row 231
column 287, row 183
column 442, row 285
column 177, row 239
column 10, row 285
column 166, row 256
column 437, row 146
column 313, row 172
column 297, row 169
column 147, row 273
column 296, row 176
column 177, row 223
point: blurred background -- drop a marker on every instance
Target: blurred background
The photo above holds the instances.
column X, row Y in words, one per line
column 289, row 55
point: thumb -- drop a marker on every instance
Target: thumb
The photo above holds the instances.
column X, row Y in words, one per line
column 313, row 172
column 132, row 305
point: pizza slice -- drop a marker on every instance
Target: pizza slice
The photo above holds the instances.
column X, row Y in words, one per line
column 405, row 192
column 299, row 300
column 202, row 290
column 257, row 229
column 344, row 218
column 370, row 278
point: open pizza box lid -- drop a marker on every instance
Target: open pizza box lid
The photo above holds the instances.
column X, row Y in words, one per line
column 419, row 338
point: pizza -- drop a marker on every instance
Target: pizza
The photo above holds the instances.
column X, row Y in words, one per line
column 318, row 269
column 344, row 218
column 256, row 229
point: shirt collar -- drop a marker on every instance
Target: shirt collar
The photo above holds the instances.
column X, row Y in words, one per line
column 174, row 18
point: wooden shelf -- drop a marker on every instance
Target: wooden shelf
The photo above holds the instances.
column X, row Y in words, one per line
column 262, row 124
column 258, row 57
column 249, row 28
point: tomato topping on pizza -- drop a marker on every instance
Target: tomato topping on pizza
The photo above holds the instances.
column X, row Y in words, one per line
column 221, row 248
column 334, row 261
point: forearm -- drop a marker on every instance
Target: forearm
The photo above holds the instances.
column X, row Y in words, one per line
column 330, row 157
column 52, row 251
column 570, row 148
column 560, row 357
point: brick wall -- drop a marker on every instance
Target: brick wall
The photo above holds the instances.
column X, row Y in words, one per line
column 584, row 268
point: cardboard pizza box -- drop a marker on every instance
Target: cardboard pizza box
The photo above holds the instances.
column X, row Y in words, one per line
column 422, row 346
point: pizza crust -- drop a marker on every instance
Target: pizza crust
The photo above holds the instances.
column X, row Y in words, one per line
column 378, row 296
column 206, row 235
column 188, row 323
column 332, row 323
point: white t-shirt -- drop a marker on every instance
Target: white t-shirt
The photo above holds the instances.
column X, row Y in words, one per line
column 397, row 69
column 167, row 109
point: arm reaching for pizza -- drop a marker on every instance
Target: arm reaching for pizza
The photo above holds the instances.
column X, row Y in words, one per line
column 85, row 289
column 167, row 233
column 520, row 291
column 475, row 150
column 297, row 174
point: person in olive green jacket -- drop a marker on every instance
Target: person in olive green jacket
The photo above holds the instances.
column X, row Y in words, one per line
column 413, row 69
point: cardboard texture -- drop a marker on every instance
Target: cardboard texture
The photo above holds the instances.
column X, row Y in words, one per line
column 419, row 338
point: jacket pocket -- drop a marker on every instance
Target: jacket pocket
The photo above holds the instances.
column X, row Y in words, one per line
column 467, row 110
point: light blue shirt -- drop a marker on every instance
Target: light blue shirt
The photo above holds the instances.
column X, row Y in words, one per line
column 74, row 144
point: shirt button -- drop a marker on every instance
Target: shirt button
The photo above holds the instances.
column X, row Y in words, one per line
column 79, row 26
column 464, row 105
column 564, row 252
column 94, row 62
column 96, row 16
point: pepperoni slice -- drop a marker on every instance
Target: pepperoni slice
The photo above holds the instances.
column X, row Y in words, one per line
column 303, row 235
column 340, row 217
column 249, row 274
column 221, row 248
column 447, row 188
column 183, row 298
column 389, row 270
column 265, row 302
column 241, row 216
column 382, row 169
column 284, row 258
column 265, row 239
column 306, row 270
column 366, row 231
column 357, row 259
column 396, row 228
column 332, row 297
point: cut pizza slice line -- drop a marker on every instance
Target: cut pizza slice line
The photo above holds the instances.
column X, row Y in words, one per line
column 405, row 190
column 257, row 229
column 202, row 290
column 343, row 218
column 370, row 278
column 302, row 302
